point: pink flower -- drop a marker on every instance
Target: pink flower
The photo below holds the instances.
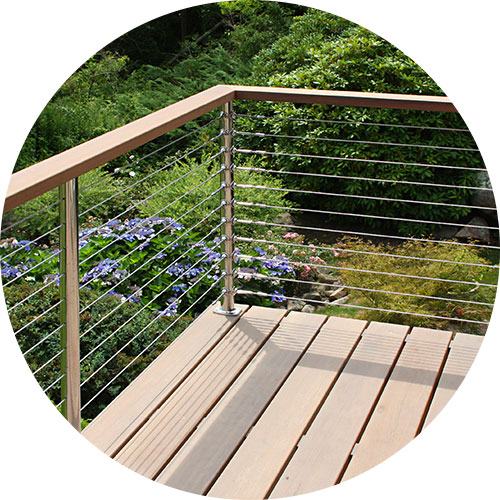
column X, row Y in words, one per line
column 290, row 236
column 295, row 252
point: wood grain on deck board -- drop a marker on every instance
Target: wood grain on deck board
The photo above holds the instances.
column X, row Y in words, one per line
column 156, row 442
column 121, row 419
column 463, row 351
column 325, row 449
column 399, row 412
column 255, row 466
column 205, row 454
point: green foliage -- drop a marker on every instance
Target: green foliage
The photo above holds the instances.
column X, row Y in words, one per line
column 114, row 331
column 99, row 189
column 452, row 292
column 322, row 51
column 162, row 203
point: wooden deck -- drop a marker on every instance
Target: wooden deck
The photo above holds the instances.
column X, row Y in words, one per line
column 272, row 404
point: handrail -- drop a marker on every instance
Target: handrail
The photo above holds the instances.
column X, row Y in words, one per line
column 48, row 174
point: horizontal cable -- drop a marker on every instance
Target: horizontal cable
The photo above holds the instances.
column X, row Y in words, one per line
column 8, row 256
column 369, row 271
column 354, row 141
column 208, row 179
column 60, row 403
column 142, row 158
column 357, row 233
column 262, row 294
column 152, row 343
column 38, row 212
column 56, row 381
column 52, row 256
column 346, row 122
column 155, row 173
column 367, row 179
column 359, row 160
column 366, row 216
column 140, row 289
column 158, row 253
column 265, row 277
column 49, row 361
column 146, row 305
column 362, row 252
column 44, row 339
column 58, row 303
column 156, row 318
column 359, row 196
column 34, row 293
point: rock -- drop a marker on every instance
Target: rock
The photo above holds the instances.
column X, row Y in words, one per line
column 445, row 232
column 475, row 233
column 329, row 279
column 308, row 308
column 295, row 305
column 337, row 293
column 314, row 295
column 340, row 301
column 284, row 219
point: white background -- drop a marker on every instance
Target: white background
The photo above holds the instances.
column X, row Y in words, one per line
column 456, row 42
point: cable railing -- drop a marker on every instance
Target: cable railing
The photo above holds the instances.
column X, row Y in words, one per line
column 111, row 249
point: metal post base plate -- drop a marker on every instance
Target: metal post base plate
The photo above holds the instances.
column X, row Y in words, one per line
column 232, row 312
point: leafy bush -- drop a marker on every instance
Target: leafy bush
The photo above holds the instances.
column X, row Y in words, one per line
column 326, row 52
column 452, row 292
column 115, row 331
column 163, row 202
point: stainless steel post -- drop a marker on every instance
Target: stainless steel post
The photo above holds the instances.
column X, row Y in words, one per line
column 227, row 182
column 70, row 305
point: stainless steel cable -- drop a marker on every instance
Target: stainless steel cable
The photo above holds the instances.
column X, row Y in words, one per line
column 447, row 318
column 142, row 308
column 152, row 343
column 151, row 258
column 366, row 179
column 208, row 179
column 33, row 294
column 359, row 196
column 49, row 361
column 356, row 160
column 42, row 210
column 354, row 141
column 362, row 252
column 346, row 122
column 369, row 271
column 265, row 277
column 25, row 245
column 140, row 289
column 157, row 172
column 52, row 256
column 44, row 339
column 177, row 299
column 367, row 216
column 60, row 403
column 156, row 151
column 58, row 303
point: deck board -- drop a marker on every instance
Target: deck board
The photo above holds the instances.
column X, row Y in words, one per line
column 277, row 432
column 202, row 458
column 400, row 410
column 324, row 451
column 163, row 434
column 275, row 403
column 128, row 412
column 463, row 351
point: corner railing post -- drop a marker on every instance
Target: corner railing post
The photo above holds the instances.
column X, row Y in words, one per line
column 70, row 303
column 228, row 306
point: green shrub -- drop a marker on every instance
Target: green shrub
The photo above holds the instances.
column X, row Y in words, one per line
column 102, row 326
column 451, row 292
column 157, row 203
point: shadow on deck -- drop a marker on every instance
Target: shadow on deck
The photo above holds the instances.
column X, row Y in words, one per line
column 272, row 404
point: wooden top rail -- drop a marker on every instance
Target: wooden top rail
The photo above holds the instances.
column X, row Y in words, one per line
column 33, row 181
